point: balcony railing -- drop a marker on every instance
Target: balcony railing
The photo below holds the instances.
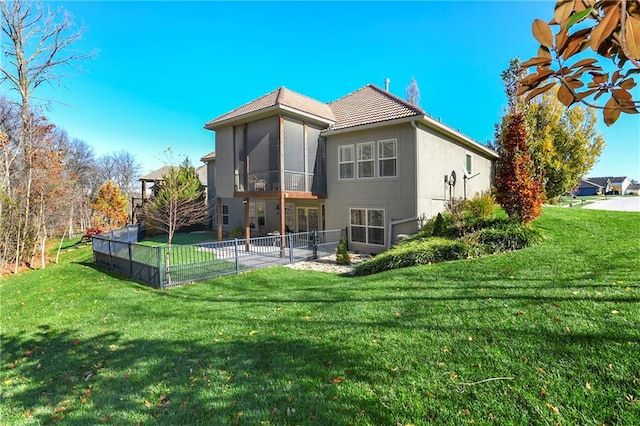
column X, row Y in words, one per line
column 293, row 181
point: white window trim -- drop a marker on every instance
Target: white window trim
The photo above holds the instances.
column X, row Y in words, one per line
column 371, row 160
column 395, row 141
column 470, row 156
column 352, row 162
column 367, row 226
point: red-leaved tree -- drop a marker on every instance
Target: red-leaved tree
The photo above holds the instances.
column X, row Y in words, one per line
column 519, row 187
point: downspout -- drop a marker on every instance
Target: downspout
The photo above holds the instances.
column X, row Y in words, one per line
column 415, row 180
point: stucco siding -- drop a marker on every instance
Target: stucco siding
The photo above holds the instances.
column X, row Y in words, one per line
column 395, row 195
column 437, row 157
column 224, row 162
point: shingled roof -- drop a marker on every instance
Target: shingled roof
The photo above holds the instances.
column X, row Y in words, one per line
column 370, row 104
column 157, row 175
column 281, row 97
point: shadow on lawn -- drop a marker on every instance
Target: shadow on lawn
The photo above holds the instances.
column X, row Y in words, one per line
column 54, row 376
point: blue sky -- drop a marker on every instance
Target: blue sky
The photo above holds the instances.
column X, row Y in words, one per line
column 165, row 68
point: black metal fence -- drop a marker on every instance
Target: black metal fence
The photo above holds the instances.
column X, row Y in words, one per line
column 167, row 266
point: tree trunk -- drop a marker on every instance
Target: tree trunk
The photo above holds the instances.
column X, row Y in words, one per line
column 59, row 248
column 71, row 220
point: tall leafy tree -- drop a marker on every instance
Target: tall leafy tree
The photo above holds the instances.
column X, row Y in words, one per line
column 611, row 29
column 38, row 45
column 563, row 143
column 519, row 188
column 180, row 201
column 110, row 206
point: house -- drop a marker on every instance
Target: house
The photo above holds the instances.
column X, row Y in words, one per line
column 616, row 185
column 620, row 184
column 154, row 178
column 368, row 162
column 633, row 189
column 587, row 187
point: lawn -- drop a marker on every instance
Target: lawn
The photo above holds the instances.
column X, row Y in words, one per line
column 546, row 335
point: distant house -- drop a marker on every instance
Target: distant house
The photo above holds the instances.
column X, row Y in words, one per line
column 588, row 187
column 613, row 185
column 368, row 162
column 633, row 189
column 149, row 187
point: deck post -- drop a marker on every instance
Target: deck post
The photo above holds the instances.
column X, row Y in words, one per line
column 283, row 206
column 219, row 217
column 247, row 225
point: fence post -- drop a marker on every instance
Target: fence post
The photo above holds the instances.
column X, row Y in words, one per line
column 314, row 240
column 290, row 242
column 130, row 260
column 236, row 256
column 110, row 260
column 160, row 268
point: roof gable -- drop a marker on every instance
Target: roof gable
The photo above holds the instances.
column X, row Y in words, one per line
column 208, row 157
column 281, row 98
column 370, row 104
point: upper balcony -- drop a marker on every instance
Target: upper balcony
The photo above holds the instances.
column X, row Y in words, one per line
column 273, row 145
column 268, row 185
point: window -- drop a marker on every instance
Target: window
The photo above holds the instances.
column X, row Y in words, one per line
column 366, row 160
column 225, row 214
column 257, row 212
column 468, row 164
column 345, row 162
column 387, row 158
column 367, row 226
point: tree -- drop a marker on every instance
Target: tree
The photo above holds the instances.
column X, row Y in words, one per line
column 180, row 201
column 51, row 192
column 81, row 175
column 412, row 93
column 111, row 206
column 563, row 143
column 122, row 168
column 612, row 30
column 519, row 188
column 38, row 46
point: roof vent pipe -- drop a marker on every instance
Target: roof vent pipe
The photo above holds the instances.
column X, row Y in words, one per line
column 386, row 84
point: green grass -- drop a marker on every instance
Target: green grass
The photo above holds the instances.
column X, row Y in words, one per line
column 546, row 335
column 181, row 238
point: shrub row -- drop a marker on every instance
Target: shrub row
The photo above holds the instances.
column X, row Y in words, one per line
column 449, row 238
column 512, row 236
column 418, row 252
